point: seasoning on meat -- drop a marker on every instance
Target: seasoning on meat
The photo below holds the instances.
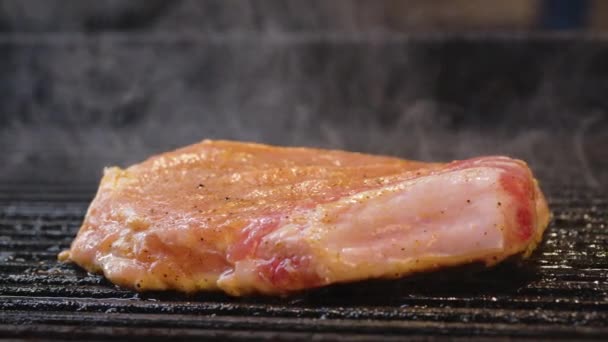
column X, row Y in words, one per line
column 249, row 218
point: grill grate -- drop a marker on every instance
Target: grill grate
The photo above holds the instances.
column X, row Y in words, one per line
column 562, row 291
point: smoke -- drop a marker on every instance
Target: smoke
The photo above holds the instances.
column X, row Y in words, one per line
column 74, row 104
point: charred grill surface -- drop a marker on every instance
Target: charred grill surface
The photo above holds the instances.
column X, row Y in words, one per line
column 562, row 291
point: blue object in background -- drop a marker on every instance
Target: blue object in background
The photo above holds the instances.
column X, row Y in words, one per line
column 564, row 14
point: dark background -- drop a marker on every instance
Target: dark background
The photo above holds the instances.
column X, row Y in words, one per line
column 86, row 84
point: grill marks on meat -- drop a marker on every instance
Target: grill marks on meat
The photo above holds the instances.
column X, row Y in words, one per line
column 249, row 218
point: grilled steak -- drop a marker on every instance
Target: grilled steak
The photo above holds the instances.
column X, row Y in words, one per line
column 249, row 218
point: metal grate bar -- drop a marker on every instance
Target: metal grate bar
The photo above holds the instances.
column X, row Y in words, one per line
column 460, row 325
column 561, row 291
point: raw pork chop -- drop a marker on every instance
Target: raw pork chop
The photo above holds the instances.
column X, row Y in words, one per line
column 249, row 218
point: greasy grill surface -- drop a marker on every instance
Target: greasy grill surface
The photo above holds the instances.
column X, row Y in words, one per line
column 562, row 291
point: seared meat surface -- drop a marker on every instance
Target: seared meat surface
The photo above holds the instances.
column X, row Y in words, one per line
column 250, row 218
